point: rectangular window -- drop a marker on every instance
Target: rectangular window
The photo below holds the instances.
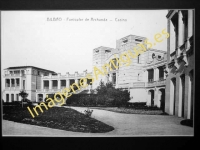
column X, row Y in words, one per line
column 46, row 84
column 23, row 72
column 17, row 72
column 23, row 84
column 17, row 82
column 150, row 75
column 138, row 40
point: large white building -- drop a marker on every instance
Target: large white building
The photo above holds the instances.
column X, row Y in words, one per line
column 144, row 77
column 37, row 82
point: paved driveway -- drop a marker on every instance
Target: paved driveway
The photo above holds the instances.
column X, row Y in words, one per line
column 124, row 124
column 136, row 124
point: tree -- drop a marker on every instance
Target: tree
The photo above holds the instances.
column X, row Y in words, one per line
column 101, row 89
column 24, row 95
column 109, row 85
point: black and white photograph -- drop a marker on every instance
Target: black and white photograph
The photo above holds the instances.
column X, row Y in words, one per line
column 97, row 73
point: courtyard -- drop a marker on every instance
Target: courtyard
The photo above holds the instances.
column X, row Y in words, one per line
column 123, row 124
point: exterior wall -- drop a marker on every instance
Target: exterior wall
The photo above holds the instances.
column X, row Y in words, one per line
column 99, row 55
column 180, row 64
column 68, row 77
column 30, row 77
column 135, row 76
column 138, row 95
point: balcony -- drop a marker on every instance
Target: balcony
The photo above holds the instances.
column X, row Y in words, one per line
column 63, row 76
column 14, row 75
column 137, row 84
column 80, row 74
column 48, row 90
column 71, row 75
column 156, row 83
column 17, row 88
column 54, row 76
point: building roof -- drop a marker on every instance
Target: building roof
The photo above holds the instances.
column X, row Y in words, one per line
column 20, row 67
column 103, row 47
column 136, row 36
column 156, row 50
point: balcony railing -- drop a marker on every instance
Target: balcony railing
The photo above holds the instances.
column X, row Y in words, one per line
column 54, row 76
column 156, row 83
column 62, row 87
column 12, row 88
column 13, row 75
column 80, row 74
column 71, row 75
column 137, row 84
column 49, row 90
column 63, row 76
column 150, row 80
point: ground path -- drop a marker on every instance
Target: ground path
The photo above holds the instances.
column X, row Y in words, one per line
column 124, row 124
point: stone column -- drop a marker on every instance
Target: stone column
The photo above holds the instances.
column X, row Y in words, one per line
column 146, row 77
column 180, row 32
column 42, row 84
column 190, row 28
column 15, row 82
column 155, row 74
column 168, row 41
column 20, row 83
column 76, row 81
column 36, row 97
column 190, row 23
column 67, row 83
column 50, row 84
column 59, row 84
column 110, row 77
column 183, row 28
column 14, row 85
column 156, row 97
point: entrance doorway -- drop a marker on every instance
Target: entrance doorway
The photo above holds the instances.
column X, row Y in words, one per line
column 162, row 100
column 152, row 97
column 174, row 94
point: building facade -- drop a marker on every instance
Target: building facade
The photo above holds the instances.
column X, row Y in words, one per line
column 37, row 82
column 180, row 64
column 24, row 77
column 144, row 77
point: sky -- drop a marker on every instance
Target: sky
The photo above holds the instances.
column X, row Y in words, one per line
column 29, row 38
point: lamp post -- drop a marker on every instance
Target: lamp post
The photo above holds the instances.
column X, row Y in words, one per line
column 23, row 94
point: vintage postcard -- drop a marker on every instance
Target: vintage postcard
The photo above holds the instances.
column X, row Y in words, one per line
column 97, row 73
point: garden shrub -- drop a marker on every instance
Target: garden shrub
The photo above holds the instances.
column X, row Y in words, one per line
column 88, row 112
column 106, row 95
